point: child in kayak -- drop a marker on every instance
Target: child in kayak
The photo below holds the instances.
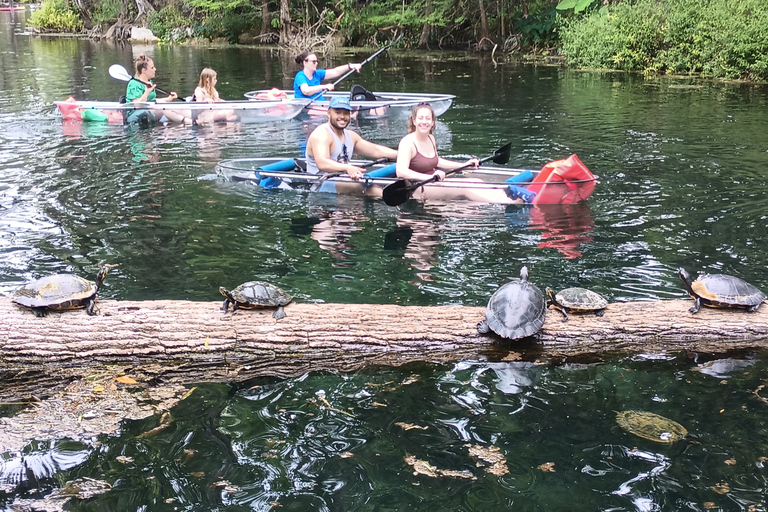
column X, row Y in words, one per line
column 206, row 91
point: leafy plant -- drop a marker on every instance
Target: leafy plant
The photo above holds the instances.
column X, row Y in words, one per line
column 56, row 16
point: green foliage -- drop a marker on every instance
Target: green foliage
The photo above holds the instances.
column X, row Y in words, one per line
column 577, row 5
column 162, row 22
column 717, row 38
column 537, row 28
column 106, row 10
column 56, row 16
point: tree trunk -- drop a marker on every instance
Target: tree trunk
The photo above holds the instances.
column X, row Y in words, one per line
column 145, row 8
column 424, row 39
column 485, row 35
column 285, row 21
column 265, row 26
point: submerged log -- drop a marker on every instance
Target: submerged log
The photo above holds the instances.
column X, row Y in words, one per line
column 342, row 336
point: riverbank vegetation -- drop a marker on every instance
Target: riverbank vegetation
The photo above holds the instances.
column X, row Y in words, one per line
column 714, row 38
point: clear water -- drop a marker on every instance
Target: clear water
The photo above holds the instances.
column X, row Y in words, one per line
column 682, row 183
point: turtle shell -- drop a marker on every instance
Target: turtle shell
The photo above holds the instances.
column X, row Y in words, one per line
column 257, row 294
column 516, row 310
column 59, row 291
column 580, row 300
column 723, row 291
column 651, row 426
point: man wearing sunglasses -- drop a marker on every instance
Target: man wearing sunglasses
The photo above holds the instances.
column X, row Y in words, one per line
column 331, row 146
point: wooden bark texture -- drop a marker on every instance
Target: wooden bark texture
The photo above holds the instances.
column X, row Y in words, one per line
column 345, row 336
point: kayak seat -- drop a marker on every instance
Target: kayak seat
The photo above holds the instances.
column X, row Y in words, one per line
column 300, row 164
column 360, row 93
column 387, row 171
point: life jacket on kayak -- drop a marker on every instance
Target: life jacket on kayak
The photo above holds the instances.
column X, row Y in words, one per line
column 563, row 182
column 272, row 94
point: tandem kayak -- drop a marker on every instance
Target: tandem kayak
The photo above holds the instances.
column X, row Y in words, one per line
column 239, row 111
column 559, row 182
column 366, row 104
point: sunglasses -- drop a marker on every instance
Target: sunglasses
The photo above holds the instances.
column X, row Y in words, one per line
column 313, row 61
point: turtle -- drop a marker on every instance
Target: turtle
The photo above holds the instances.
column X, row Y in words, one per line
column 256, row 294
column 721, row 291
column 576, row 300
column 60, row 292
column 516, row 310
column 651, row 426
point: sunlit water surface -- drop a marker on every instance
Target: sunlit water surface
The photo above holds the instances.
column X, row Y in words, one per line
column 682, row 168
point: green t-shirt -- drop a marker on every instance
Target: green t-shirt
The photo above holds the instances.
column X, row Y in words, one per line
column 135, row 89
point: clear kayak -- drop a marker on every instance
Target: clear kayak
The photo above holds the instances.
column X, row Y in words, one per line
column 366, row 104
column 559, row 182
column 233, row 111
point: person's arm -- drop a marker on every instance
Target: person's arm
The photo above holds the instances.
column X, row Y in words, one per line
column 371, row 150
column 311, row 90
column 172, row 96
column 449, row 165
column 405, row 152
column 138, row 92
column 319, row 143
column 332, row 73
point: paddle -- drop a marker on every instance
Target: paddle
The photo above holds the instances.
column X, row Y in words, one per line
column 118, row 72
column 400, row 191
column 348, row 73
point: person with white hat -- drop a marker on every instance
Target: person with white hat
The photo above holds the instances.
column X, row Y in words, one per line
column 330, row 146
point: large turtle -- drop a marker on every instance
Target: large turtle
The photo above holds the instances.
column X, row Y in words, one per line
column 256, row 294
column 721, row 291
column 60, row 292
column 651, row 426
column 516, row 310
column 576, row 300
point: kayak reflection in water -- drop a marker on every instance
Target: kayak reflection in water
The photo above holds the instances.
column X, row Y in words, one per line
column 330, row 146
column 418, row 160
column 206, row 91
column 141, row 89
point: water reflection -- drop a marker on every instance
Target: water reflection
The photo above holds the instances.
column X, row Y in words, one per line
column 564, row 227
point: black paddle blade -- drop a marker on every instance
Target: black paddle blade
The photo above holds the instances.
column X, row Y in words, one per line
column 501, row 155
column 396, row 193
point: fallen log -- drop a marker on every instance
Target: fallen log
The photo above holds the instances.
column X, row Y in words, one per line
column 344, row 336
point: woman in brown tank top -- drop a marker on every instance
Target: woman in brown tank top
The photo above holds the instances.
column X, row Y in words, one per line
column 417, row 157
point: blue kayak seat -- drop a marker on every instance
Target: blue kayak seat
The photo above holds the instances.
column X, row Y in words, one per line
column 388, row 171
column 286, row 165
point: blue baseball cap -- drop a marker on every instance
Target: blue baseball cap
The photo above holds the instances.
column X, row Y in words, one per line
column 340, row 102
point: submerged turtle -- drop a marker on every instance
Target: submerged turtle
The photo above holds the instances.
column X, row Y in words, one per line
column 651, row 426
column 516, row 310
column 60, row 292
column 721, row 291
column 256, row 294
column 576, row 300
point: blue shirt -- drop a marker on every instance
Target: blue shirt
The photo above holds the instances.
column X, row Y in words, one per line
column 302, row 79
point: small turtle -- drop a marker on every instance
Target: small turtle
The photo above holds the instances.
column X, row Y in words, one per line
column 576, row 300
column 256, row 294
column 60, row 292
column 651, row 426
column 516, row 310
column 721, row 291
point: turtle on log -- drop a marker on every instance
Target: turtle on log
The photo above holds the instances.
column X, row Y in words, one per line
column 256, row 294
column 60, row 292
column 721, row 291
column 516, row 310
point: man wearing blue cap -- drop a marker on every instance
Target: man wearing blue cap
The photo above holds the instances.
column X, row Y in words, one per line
column 330, row 146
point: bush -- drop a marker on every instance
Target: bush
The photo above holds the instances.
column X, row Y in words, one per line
column 106, row 10
column 163, row 22
column 55, row 16
column 717, row 38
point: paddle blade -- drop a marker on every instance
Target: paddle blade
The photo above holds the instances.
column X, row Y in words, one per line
column 118, row 72
column 396, row 193
column 501, row 155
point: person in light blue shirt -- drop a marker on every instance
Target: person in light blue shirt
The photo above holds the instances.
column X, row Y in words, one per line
column 308, row 81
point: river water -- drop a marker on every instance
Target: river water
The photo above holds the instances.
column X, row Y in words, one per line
column 683, row 182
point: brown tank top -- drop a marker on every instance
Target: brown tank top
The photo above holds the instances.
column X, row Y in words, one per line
column 423, row 164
